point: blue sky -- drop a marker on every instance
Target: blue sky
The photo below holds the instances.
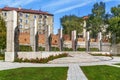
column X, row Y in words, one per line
column 60, row 7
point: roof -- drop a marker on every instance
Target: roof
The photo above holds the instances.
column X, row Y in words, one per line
column 26, row 10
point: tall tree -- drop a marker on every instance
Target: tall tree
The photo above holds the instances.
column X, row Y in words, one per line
column 2, row 33
column 95, row 22
column 70, row 23
column 114, row 22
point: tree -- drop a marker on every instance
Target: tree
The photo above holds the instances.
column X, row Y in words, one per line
column 114, row 22
column 2, row 33
column 95, row 23
column 70, row 23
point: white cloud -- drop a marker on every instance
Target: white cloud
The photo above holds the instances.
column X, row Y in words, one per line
column 72, row 7
column 15, row 3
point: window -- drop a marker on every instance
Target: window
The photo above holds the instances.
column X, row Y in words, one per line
column 45, row 16
column 40, row 16
column 20, row 26
column 26, row 21
column 20, row 14
column 35, row 17
column 26, row 15
column 20, row 20
column 5, row 14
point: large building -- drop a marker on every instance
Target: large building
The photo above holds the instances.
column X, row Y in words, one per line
column 26, row 18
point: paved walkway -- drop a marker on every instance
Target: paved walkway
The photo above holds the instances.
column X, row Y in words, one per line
column 75, row 73
column 74, row 63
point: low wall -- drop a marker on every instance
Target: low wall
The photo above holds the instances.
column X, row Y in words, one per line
column 34, row 55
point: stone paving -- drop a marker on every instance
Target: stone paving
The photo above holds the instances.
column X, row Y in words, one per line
column 75, row 73
column 74, row 63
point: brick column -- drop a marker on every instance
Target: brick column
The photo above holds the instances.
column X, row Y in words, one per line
column 87, row 41
column 60, row 44
column 47, row 38
column 100, row 41
column 12, row 43
column 74, row 40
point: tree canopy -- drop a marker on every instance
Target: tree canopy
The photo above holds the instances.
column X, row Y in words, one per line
column 2, row 33
column 114, row 22
column 70, row 23
column 95, row 23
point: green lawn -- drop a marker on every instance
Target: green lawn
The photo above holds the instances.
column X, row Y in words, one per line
column 39, row 73
column 101, row 72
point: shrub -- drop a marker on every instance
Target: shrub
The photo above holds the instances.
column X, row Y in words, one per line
column 25, row 48
column 42, row 60
column 81, row 49
column 41, row 49
column 55, row 49
column 67, row 49
column 94, row 49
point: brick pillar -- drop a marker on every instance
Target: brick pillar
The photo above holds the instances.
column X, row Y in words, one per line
column 100, row 41
column 34, row 36
column 12, row 43
column 60, row 44
column 47, row 39
column 74, row 40
column 87, row 41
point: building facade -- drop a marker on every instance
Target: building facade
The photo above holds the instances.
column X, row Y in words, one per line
column 26, row 19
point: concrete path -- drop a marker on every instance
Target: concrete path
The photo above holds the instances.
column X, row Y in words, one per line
column 75, row 73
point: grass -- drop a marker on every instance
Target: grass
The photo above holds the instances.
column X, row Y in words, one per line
column 101, row 72
column 46, row 73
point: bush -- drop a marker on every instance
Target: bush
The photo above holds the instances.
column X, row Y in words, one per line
column 41, row 49
column 25, row 48
column 67, row 49
column 94, row 49
column 81, row 49
column 42, row 60
column 55, row 49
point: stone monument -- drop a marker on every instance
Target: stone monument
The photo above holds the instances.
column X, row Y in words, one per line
column 60, row 39
column 100, row 41
column 34, row 36
column 47, row 39
column 11, row 24
column 87, row 41
column 74, row 40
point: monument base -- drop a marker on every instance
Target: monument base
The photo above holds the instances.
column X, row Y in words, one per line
column 9, row 56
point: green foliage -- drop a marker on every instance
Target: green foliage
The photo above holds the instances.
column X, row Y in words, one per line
column 84, row 49
column 2, row 33
column 41, row 49
column 116, row 11
column 67, row 49
column 81, row 49
column 35, row 73
column 101, row 72
column 94, row 49
column 71, row 23
column 114, row 23
column 97, row 19
column 55, row 49
column 25, row 48
column 42, row 60
column 2, row 56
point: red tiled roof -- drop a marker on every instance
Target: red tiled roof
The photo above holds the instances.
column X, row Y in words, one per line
column 25, row 10
column 85, row 17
